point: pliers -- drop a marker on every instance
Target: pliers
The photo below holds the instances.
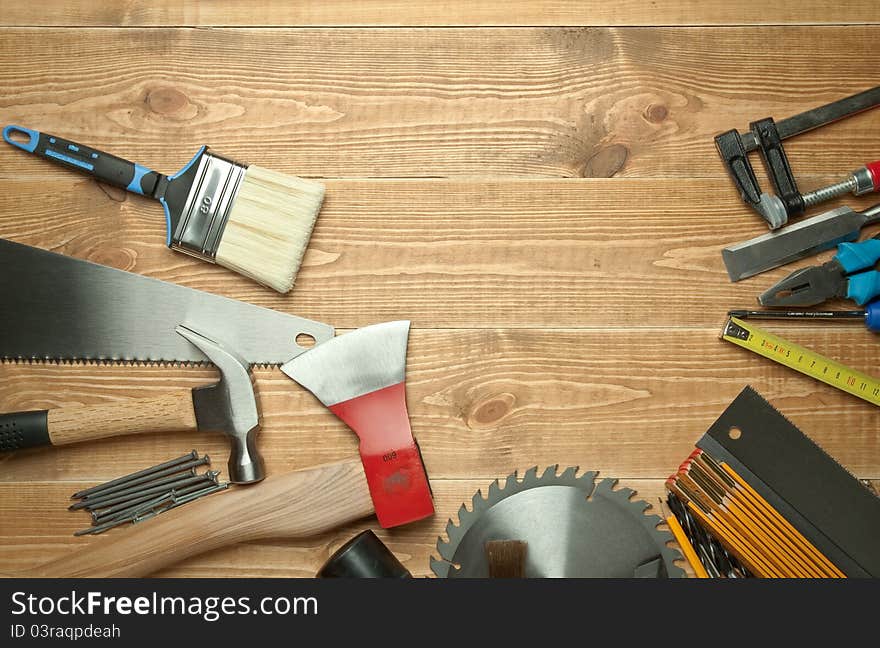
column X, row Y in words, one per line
column 840, row 277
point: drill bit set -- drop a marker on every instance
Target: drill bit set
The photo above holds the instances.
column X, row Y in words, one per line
column 774, row 501
column 144, row 494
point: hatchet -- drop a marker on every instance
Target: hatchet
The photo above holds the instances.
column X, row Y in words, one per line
column 360, row 377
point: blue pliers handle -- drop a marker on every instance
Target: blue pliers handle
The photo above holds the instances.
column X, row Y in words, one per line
column 843, row 276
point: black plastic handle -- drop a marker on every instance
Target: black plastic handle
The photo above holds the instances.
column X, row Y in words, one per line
column 778, row 168
column 24, row 430
column 103, row 166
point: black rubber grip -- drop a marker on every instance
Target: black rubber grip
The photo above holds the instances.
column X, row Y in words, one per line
column 78, row 157
column 24, row 430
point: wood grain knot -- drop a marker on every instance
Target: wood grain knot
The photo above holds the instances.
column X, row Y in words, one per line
column 120, row 258
column 166, row 101
column 606, row 162
column 492, row 410
column 656, row 113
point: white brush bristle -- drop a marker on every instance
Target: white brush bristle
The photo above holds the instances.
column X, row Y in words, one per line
column 269, row 227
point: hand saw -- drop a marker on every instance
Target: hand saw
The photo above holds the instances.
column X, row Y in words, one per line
column 60, row 308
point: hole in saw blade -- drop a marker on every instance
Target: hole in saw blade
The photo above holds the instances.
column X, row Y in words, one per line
column 735, row 433
column 305, row 340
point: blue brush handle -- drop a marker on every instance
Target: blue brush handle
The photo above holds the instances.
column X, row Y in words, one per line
column 103, row 166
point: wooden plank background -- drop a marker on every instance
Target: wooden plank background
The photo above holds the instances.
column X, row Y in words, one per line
column 543, row 201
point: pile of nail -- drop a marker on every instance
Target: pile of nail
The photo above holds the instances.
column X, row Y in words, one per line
column 144, row 494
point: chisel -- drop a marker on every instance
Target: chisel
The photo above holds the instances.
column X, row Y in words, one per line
column 803, row 239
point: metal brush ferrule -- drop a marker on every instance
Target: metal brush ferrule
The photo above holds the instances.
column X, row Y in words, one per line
column 207, row 207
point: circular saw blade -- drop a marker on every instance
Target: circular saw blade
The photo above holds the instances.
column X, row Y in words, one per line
column 573, row 528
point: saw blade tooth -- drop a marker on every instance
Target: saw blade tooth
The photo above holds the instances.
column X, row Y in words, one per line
column 550, row 472
column 476, row 500
column 531, row 475
column 439, row 567
column 494, row 490
column 625, row 492
column 569, row 474
column 445, row 549
column 511, row 481
column 605, row 486
column 588, row 477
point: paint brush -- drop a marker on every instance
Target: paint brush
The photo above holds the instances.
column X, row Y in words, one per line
column 251, row 220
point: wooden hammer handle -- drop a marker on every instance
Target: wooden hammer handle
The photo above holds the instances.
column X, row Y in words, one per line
column 171, row 412
column 295, row 505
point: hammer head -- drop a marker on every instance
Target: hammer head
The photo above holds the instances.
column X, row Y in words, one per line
column 229, row 407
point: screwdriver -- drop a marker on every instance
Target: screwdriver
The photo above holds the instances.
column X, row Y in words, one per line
column 870, row 315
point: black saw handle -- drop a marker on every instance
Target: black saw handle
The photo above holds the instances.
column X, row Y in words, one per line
column 103, row 166
column 20, row 430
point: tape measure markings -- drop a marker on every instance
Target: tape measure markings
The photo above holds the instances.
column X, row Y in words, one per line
column 802, row 360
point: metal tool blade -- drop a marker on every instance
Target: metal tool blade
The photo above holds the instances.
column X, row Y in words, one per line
column 60, row 308
column 803, row 239
column 571, row 527
column 354, row 364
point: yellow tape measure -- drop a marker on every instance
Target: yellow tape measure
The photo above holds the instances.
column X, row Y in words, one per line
column 803, row 360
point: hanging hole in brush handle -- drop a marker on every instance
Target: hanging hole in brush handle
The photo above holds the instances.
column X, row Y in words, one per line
column 102, row 166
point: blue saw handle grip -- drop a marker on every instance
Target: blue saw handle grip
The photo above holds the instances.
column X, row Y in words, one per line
column 853, row 257
column 103, row 166
column 863, row 287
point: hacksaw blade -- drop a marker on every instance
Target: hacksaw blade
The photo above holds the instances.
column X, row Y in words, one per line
column 58, row 308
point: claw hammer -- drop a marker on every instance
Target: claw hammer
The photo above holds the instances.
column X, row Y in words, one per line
column 360, row 377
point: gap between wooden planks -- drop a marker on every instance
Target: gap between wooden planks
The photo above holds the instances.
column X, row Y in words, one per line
column 483, row 403
column 550, row 102
column 448, row 254
column 70, row 13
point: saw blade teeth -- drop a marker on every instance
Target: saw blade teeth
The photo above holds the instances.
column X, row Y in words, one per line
column 626, row 492
column 123, row 362
column 518, row 482
column 588, row 478
column 445, row 549
column 439, row 567
column 605, row 486
column 511, row 481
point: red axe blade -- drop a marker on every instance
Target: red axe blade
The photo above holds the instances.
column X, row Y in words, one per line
column 361, row 377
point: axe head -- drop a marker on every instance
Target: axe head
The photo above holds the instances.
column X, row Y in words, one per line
column 360, row 377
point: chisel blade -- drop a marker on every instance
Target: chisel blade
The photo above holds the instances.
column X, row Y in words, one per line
column 803, row 239
column 58, row 308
